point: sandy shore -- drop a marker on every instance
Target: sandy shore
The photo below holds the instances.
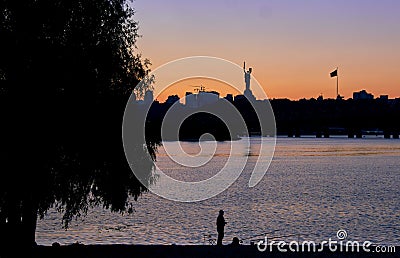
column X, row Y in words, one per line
column 125, row 251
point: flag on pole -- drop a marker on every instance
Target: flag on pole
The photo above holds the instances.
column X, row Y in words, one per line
column 334, row 73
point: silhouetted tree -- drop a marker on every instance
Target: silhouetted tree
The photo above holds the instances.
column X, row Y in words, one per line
column 67, row 68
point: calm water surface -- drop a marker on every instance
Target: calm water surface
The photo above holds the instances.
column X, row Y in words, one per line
column 314, row 187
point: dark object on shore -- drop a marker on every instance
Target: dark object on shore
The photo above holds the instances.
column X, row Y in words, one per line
column 55, row 244
column 235, row 242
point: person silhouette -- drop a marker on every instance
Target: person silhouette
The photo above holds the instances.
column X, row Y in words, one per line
column 220, row 227
column 235, row 241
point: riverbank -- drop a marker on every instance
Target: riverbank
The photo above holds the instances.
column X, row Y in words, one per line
column 176, row 251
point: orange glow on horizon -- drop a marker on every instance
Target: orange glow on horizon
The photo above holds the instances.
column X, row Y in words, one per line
column 292, row 46
column 307, row 81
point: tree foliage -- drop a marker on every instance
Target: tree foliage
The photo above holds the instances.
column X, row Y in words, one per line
column 67, row 69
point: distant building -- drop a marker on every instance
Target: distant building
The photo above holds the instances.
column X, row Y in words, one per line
column 202, row 98
column 172, row 99
column 191, row 100
column 362, row 95
column 229, row 97
column 384, row 98
column 341, row 97
column 207, row 98
column 240, row 98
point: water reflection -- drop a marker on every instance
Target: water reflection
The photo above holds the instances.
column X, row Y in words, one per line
column 313, row 188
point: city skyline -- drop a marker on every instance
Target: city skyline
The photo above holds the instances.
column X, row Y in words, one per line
column 181, row 93
column 292, row 46
column 190, row 85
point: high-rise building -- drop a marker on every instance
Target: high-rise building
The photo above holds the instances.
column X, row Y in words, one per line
column 200, row 99
column 191, row 100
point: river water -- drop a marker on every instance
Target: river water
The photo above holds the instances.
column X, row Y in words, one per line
column 313, row 188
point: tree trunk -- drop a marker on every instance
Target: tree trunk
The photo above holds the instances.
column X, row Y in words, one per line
column 12, row 222
column 18, row 225
column 29, row 220
column 3, row 227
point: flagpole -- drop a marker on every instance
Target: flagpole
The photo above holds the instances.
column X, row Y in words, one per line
column 337, row 82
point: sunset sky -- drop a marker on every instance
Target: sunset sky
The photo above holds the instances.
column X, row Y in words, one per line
column 291, row 45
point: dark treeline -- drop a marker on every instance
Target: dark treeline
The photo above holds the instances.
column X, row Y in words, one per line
column 336, row 116
column 180, row 123
column 295, row 118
